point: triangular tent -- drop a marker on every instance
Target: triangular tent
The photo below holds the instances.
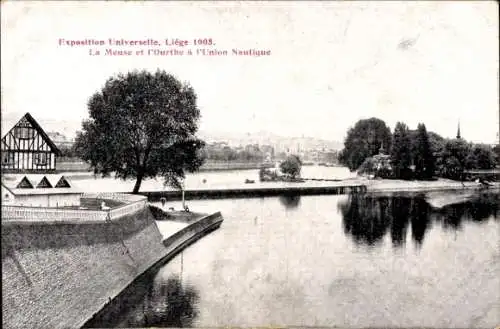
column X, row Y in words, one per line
column 63, row 182
column 44, row 183
column 24, row 183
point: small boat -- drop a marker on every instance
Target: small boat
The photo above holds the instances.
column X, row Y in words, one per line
column 249, row 181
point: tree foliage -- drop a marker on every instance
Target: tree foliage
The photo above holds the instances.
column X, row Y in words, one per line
column 481, row 156
column 453, row 159
column 364, row 140
column 423, row 157
column 291, row 166
column 142, row 125
column 67, row 151
column 496, row 150
column 401, row 151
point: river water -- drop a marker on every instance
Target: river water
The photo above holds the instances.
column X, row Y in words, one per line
column 339, row 260
column 202, row 180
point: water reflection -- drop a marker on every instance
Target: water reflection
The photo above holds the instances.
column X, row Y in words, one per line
column 297, row 268
column 365, row 218
column 167, row 303
column 170, row 304
column 290, row 201
column 368, row 218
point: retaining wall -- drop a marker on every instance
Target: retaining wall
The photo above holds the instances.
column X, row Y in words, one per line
column 60, row 274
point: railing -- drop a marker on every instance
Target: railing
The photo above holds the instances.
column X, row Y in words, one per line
column 133, row 203
column 123, row 197
column 127, row 209
column 32, row 214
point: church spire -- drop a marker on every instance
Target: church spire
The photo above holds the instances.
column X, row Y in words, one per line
column 458, row 131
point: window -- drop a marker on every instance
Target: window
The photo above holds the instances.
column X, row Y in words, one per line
column 24, row 183
column 7, row 158
column 44, row 183
column 62, row 182
column 41, row 159
column 24, row 133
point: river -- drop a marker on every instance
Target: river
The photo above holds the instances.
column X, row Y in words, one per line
column 338, row 260
column 200, row 180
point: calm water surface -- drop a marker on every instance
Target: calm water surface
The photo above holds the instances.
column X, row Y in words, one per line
column 352, row 261
column 200, row 180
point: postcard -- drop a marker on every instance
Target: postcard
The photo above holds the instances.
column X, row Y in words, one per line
column 250, row 164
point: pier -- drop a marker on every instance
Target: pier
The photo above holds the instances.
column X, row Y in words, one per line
column 257, row 191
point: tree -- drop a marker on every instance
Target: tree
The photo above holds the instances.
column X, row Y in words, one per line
column 481, row 156
column 365, row 139
column 291, row 166
column 142, row 125
column 496, row 149
column 423, row 157
column 66, row 151
column 437, row 143
column 401, row 151
column 453, row 159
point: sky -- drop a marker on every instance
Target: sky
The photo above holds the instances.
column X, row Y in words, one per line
column 331, row 63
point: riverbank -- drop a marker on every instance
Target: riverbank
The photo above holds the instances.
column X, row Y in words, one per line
column 392, row 185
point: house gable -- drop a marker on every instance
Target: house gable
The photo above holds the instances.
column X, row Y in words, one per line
column 24, row 136
column 44, row 183
column 25, row 183
column 63, row 182
column 27, row 148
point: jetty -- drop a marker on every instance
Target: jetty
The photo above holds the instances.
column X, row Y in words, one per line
column 259, row 190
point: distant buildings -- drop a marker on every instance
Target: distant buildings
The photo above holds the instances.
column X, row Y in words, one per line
column 60, row 140
column 27, row 148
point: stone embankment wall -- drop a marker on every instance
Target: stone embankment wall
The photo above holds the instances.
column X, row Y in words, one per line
column 61, row 267
column 58, row 275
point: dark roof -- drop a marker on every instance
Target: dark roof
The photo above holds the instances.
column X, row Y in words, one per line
column 41, row 132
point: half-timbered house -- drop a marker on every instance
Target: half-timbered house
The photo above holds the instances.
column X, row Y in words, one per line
column 27, row 148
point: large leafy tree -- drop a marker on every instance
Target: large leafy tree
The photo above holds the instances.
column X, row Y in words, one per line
column 454, row 159
column 437, row 143
column 142, row 125
column 401, row 151
column 423, row 157
column 291, row 166
column 481, row 156
column 363, row 140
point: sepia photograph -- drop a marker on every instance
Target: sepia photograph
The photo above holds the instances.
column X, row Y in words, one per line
column 250, row 164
